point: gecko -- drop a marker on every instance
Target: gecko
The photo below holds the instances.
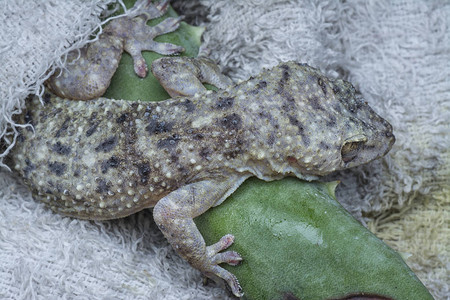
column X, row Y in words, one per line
column 104, row 158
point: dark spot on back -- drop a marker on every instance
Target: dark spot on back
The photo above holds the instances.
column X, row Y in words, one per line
column 144, row 171
column 233, row 153
column 174, row 158
column 30, row 167
column 112, row 162
column 122, row 118
column 134, row 105
column 102, row 186
column 148, row 111
column 156, row 127
column 289, row 105
column 54, row 113
column 224, row 103
column 63, row 128
column 287, row 96
column 294, row 121
column 92, row 129
column 232, row 122
column 184, row 171
column 93, row 116
column 314, row 101
column 301, row 129
column 76, row 173
column 169, row 142
column 205, row 153
column 285, row 75
column 61, row 149
column 262, row 84
column 331, row 122
column 271, row 139
column 58, row 168
column 107, row 145
column 324, row 146
column 198, row 136
column 190, row 107
column 259, row 86
column 322, row 85
column 265, row 114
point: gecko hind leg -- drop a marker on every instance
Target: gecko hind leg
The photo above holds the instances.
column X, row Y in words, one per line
column 174, row 216
column 184, row 76
column 89, row 70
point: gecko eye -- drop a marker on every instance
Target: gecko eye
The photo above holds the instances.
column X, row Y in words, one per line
column 350, row 149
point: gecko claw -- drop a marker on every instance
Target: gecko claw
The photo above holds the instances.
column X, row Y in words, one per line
column 163, row 5
column 223, row 277
column 149, row 11
column 230, row 257
column 235, row 287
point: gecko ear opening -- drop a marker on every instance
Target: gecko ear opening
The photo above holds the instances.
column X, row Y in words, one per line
column 352, row 147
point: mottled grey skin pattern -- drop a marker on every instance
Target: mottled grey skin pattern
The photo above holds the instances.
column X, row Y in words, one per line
column 106, row 159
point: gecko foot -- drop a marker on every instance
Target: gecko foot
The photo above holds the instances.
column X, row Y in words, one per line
column 138, row 37
column 143, row 41
column 233, row 258
column 184, row 76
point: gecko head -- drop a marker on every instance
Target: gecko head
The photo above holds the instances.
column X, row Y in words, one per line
column 365, row 135
column 331, row 126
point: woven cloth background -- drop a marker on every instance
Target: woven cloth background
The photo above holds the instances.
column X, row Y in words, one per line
column 397, row 53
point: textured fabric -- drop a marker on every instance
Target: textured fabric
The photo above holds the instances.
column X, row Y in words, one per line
column 397, row 53
column 36, row 36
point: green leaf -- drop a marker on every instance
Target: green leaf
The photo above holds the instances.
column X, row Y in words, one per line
column 298, row 241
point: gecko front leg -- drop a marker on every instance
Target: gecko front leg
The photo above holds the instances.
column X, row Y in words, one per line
column 89, row 70
column 184, row 76
column 174, row 216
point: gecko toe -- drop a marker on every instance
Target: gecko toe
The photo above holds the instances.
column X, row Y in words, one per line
column 230, row 257
column 225, row 242
column 232, row 282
